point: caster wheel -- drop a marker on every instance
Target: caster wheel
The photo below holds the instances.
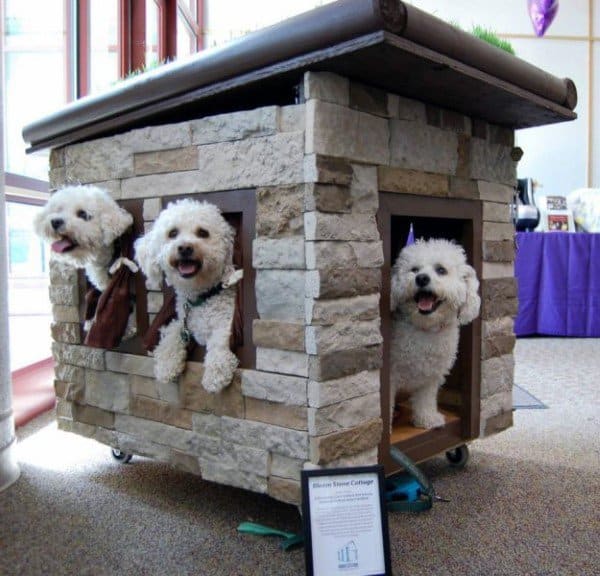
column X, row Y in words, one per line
column 458, row 457
column 121, row 456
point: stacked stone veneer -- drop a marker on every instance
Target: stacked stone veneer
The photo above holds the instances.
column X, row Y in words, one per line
column 316, row 169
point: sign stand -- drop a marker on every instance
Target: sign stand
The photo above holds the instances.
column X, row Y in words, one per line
column 345, row 522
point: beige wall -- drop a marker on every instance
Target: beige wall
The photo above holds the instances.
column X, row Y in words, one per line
column 566, row 156
column 560, row 157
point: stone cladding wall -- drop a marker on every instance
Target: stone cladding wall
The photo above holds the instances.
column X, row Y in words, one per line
column 316, row 169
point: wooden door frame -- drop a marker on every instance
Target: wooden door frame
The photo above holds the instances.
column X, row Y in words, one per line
column 431, row 442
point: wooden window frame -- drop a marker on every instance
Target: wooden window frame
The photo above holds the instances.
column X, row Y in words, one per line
column 26, row 183
column 195, row 24
column 240, row 202
column 131, row 38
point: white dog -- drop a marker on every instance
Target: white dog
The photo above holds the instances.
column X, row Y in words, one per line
column 192, row 245
column 82, row 223
column 433, row 292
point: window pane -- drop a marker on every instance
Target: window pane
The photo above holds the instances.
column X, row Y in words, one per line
column 186, row 39
column 29, row 310
column 192, row 6
column 27, row 254
column 35, row 47
column 152, row 28
column 229, row 19
column 104, row 44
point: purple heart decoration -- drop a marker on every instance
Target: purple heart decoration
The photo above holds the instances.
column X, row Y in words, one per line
column 542, row 13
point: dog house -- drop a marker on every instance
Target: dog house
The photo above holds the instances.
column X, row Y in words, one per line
column 322, row 139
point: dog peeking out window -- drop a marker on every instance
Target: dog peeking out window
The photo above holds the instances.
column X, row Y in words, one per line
column 87, row 229
column 82, row 223
column 433, row 292
column 191, row 246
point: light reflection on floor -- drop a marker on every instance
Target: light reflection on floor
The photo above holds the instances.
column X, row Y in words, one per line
column 49, row 448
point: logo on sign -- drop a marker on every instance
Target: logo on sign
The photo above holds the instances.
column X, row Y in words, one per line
column 348, row 556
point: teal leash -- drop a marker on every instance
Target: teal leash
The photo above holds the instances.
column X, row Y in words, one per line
column 427, row 494
column 425, row 501
column 289, row 539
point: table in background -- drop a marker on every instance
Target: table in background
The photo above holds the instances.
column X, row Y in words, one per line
column 559, row 284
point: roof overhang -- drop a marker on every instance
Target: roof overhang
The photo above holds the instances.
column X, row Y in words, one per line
column 383, row 43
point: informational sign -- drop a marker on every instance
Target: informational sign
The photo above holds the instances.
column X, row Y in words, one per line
column 556, row 216
column 345, row 522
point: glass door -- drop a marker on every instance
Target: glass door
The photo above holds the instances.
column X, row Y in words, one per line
column 29, row 309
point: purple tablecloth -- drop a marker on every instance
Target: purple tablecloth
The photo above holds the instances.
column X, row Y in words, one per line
column 559, row 284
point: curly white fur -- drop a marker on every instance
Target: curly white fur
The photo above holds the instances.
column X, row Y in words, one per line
column 82, row 223
column 433, row 292
column 191, row 244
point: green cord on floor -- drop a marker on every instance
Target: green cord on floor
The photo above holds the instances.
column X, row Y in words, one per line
column 290, row 539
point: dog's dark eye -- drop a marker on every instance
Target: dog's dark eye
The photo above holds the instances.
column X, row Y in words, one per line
column 202, row 233
column 173, row 233
column 440, row 270
column 83, row 215
column 414, row 269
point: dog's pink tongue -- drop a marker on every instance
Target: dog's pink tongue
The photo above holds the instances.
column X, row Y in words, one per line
column 61, row 245
column 187, row 267
column 426, row 303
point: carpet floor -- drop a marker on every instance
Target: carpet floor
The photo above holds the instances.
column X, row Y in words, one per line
column 528, row 502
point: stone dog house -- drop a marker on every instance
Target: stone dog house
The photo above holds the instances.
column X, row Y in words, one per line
column 322, row 139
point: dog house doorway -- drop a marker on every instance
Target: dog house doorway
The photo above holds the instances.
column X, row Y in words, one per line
column 453, row 219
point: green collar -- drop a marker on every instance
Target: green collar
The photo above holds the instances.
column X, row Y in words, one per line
column 202, row 298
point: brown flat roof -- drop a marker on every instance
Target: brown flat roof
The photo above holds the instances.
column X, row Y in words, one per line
column 384, row 43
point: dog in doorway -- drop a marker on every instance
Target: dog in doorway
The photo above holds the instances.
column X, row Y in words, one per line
column 433, row 292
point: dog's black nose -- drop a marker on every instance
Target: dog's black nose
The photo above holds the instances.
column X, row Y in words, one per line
column 56, row 223
column 185, row 250
column 422, row 280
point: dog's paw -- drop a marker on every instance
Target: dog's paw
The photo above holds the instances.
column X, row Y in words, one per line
column 218, row 370
column 131, row 328
column 130, row 332
column 233, row 278
column 167, row 371
column 428, row 420
column 170, row 355
column 168, row 367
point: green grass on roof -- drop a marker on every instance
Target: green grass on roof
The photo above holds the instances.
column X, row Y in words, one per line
column 492, row 38
column 488, row 36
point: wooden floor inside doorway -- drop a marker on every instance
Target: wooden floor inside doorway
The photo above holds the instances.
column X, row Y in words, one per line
column 403, row 430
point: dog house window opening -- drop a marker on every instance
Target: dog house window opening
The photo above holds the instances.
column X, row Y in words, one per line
column 238, row 207
column 88, row 294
